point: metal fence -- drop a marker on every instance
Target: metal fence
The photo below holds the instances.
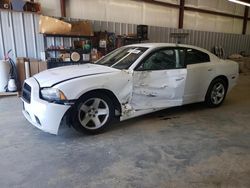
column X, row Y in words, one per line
column 19, row 32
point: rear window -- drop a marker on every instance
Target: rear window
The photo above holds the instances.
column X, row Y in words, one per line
column 193, row 56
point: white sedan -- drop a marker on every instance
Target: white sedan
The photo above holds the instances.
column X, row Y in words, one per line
column 130, row 81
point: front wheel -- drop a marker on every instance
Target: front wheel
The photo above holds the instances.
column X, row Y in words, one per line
column 93, row 113
column 216, row 93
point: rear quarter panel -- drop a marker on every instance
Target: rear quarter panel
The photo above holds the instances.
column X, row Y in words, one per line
column 230, row 69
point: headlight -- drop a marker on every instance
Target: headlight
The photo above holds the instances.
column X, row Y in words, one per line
column 52, row 94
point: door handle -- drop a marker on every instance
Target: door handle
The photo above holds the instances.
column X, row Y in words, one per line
column 179, row 79
column 210, row 69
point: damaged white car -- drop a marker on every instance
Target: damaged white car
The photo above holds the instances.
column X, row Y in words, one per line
column 129, row 82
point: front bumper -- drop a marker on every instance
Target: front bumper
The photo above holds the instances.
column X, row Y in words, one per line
column 40, row 113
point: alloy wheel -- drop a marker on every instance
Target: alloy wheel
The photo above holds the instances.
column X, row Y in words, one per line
column 218, row 93
column 93, row 113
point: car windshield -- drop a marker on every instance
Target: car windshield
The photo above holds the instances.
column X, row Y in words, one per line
column 122, row 58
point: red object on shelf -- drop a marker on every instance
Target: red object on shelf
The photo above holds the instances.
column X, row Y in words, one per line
column 32, row 7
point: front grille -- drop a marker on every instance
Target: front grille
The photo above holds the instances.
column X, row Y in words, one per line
column 26, row 92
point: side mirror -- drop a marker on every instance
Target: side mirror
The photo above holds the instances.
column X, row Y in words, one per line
column 129, row 71
column 139, row 68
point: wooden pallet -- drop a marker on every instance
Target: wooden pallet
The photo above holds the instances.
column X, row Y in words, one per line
column 2, row 94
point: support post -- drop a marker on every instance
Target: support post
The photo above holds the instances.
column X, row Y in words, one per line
column 245, row 20
column 63, row 8
column 181, row 14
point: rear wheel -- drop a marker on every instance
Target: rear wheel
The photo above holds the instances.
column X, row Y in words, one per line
column 216, row 93
column 93, row 113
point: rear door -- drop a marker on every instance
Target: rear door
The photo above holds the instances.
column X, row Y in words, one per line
column 200, row 72
column 159, row 80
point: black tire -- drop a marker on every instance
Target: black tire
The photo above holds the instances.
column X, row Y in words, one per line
column 85, row 110
column 213, row 99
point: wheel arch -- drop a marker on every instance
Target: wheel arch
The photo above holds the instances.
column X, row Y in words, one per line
column 108, row 93
column 223, row 77
column 207, row 96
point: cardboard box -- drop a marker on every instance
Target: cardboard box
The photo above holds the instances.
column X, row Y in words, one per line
column 37, row 66
column 81, row 28
column 34, row 66
column 20, row 71
column 42, row 66
column 244, row 64
column 48, row 25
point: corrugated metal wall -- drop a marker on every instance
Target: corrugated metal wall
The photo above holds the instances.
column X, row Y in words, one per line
column 19, row 32
column 230, row 42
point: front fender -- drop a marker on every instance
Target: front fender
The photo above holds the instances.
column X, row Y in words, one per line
column 119, row 83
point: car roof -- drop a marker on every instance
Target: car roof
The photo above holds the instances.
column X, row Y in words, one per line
column 157, row 45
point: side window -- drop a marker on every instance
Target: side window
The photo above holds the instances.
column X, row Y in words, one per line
column 162, row 60
column 193, row 56
column 181, row 58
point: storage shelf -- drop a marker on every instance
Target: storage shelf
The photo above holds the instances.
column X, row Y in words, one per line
column 60, row 62
column 53, row 64
column 10, row 10
column 57, row 50
column 68, row 36
column 135, row 39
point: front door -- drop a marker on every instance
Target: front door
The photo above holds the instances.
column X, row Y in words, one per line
column 159, row 80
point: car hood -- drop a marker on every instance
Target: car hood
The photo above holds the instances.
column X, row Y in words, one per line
column 54, row 76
